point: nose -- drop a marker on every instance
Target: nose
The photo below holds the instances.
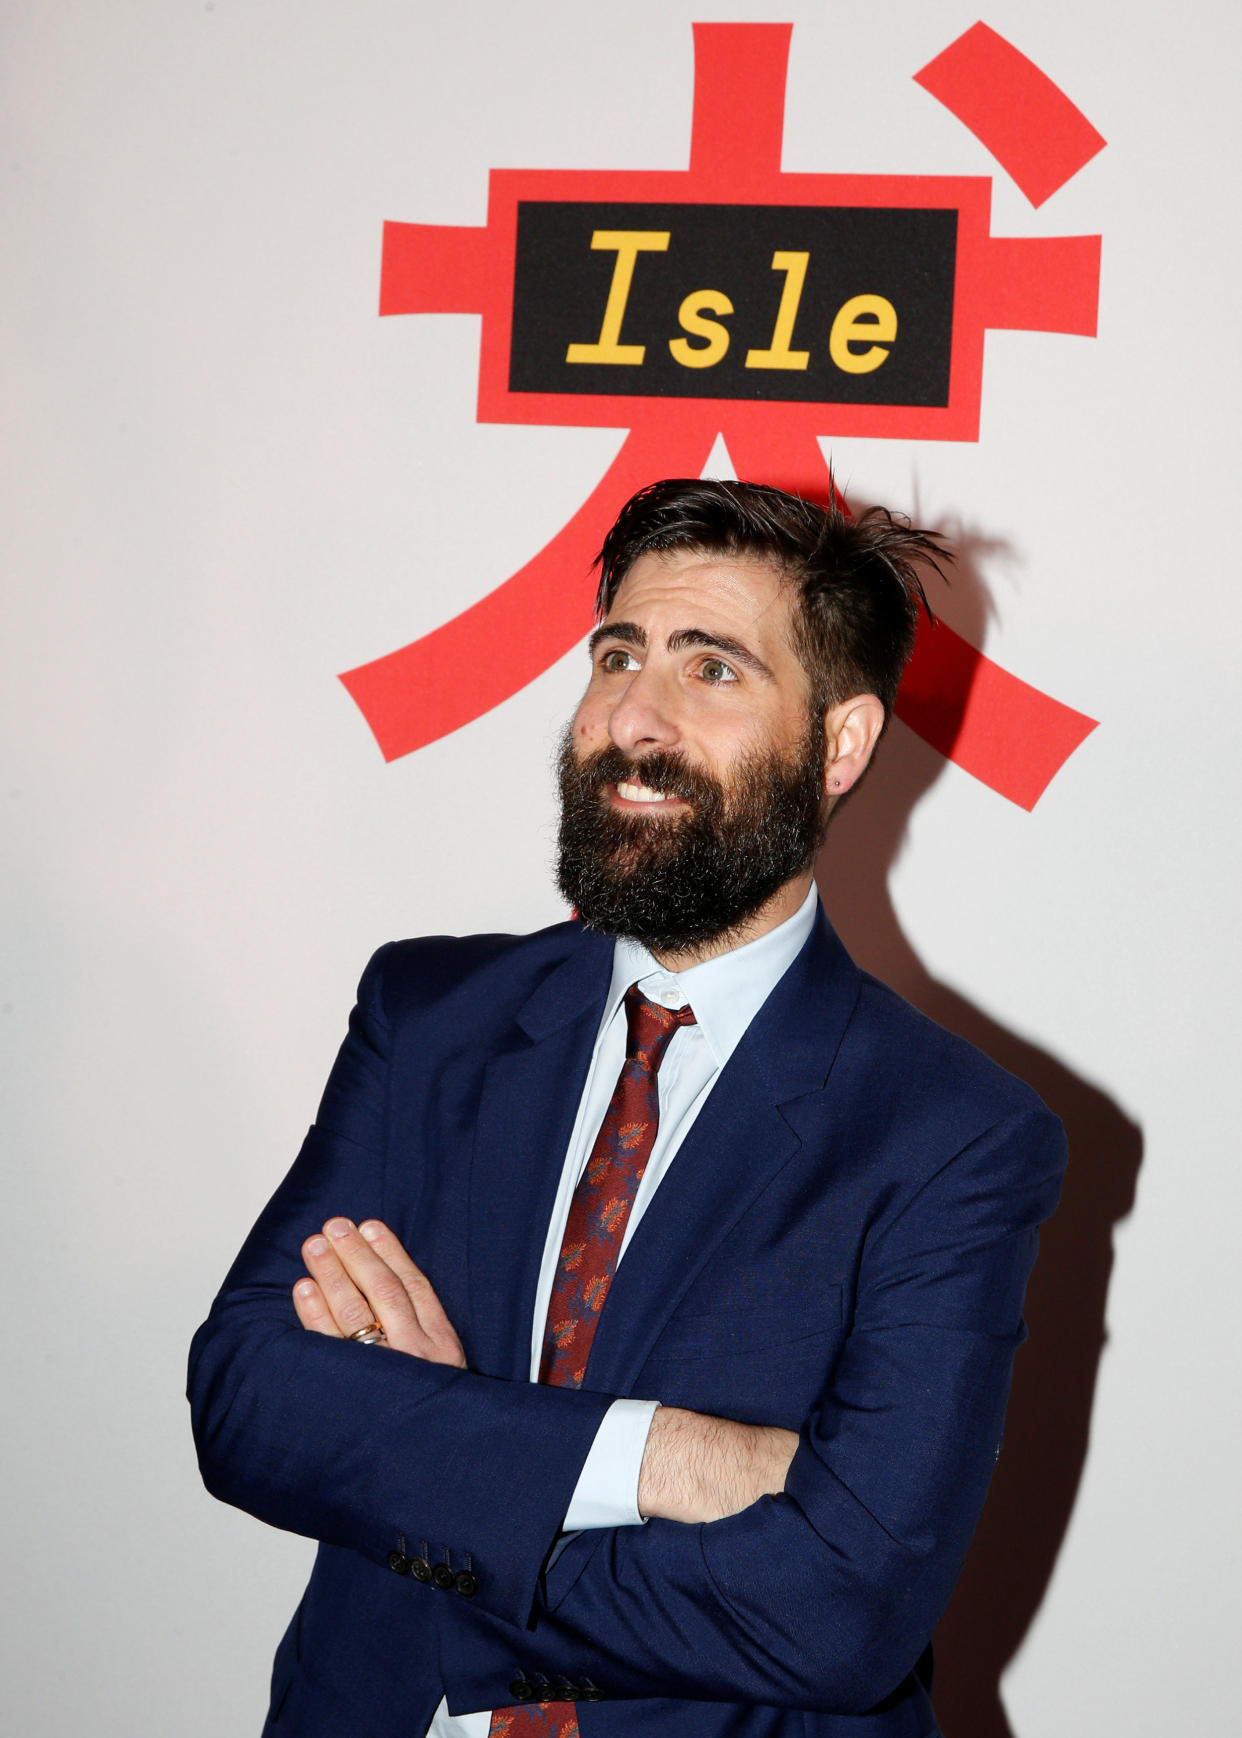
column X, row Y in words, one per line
column 644, row 718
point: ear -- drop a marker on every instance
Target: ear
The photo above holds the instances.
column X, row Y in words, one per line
column 851, row 730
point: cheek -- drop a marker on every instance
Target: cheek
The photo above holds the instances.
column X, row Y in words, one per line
column 590, row 722
column 724, row 734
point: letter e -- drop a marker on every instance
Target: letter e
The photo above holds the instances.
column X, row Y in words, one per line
column 862, row 320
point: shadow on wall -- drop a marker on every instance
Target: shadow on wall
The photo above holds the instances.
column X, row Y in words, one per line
column 1048, row 1422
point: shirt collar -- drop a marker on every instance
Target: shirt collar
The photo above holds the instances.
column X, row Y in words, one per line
column 725, row 992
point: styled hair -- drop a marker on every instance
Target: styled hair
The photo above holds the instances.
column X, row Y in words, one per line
column 857, row 579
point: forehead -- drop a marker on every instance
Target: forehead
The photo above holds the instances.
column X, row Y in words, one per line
column 742, row 596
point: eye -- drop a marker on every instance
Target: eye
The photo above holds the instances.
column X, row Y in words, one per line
column 617, row 660
column 715, row 671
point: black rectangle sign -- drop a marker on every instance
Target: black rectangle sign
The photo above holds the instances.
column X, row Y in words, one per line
column 827, row 304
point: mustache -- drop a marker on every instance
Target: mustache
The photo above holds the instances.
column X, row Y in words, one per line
column 661, row 770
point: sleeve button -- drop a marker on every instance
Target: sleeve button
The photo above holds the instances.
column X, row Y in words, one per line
column 521, row 1689
column 441, row 1576
column 420, row 1569
column 398, row 1562
column 466, row 1582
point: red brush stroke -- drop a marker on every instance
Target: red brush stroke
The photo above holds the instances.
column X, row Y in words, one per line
column 739, row 71
column 1045, row 283
column 1028, row 123
column 1008, row 735
column 1000, row 729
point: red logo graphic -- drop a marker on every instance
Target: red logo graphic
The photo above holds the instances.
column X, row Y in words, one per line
column 779, row 389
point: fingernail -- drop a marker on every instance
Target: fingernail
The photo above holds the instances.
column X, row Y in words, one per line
column 370, row 1231
column 316, row 1246
column 339, row 1227
column 305, row 1288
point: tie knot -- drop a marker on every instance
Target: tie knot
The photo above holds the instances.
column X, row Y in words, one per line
column 650, row 1027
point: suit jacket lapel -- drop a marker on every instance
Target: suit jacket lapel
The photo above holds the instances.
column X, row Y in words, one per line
column 748, row 1129
column 526, row 1116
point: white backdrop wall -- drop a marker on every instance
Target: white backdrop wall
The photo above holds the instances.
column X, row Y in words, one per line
column 228, row 480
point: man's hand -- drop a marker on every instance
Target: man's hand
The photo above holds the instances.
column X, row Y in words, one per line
column 698, row 1468
column 360, row 1274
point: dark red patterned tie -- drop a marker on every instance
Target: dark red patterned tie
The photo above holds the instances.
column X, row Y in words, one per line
column 598, row 1216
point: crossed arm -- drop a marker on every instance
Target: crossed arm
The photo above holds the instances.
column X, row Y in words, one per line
column 820, row 1596
column 695, row 1467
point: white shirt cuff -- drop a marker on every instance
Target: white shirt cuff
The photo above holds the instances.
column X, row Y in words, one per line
column 606, row 1494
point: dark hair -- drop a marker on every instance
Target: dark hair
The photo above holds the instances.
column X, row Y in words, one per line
column 858, row 585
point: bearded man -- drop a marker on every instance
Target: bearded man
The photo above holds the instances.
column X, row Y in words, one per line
column 649, row 1367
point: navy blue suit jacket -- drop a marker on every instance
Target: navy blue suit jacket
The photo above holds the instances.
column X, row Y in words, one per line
column 840, row 1247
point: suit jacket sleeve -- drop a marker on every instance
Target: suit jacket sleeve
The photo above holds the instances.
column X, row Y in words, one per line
column 359, row 1446
column 825, row 1596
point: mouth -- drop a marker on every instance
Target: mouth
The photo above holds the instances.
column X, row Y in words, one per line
column 629, row 794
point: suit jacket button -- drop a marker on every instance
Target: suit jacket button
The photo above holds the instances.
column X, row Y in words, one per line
column 565, row 1689
column 441, row 1576
column 466, row 1582
column 589, row 1693
column 521, row 1689
column 420, row 1569
column 398, row 1562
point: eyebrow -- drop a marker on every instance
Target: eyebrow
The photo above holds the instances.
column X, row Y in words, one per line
column 682, row 640
column 629, row 633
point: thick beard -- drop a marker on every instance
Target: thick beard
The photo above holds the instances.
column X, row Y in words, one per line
column 680, row 881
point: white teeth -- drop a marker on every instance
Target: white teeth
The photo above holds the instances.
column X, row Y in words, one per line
column 641, row 794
